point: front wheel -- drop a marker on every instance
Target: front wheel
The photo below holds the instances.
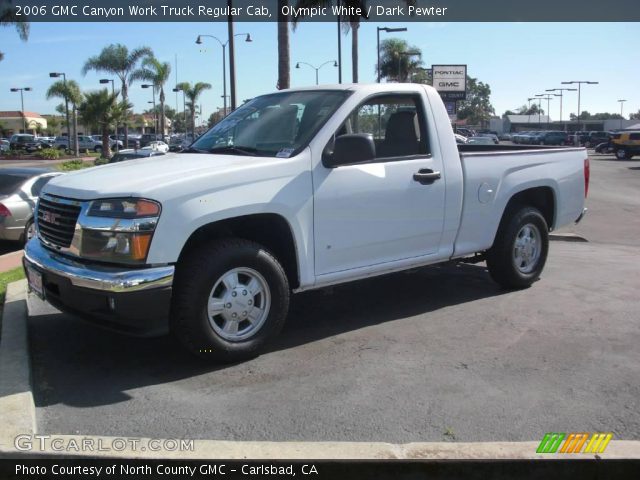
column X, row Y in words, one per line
column 29, row 231
column 230, row 299
column 519, row 252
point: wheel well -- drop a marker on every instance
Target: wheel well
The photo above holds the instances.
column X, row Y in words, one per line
column 268, row 229
column 541, row 198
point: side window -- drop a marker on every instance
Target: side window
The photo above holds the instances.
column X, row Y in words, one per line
column 634, row 136
column 38, row 185
column 396, row 123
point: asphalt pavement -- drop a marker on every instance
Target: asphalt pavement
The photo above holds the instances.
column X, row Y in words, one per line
column 437, row 354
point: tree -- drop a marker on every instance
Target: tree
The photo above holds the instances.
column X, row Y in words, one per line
column 158, row 74
column 635, row 116
column 284, row 53
column 214, row 118
column 477, row 108
column 117, row 60
column 101, row 109
column 9, row 16
column 53, row 125
column 68, row 91
column 192, row 94
column 394, row 66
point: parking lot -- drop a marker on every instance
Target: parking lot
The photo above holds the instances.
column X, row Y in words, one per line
column 437, row 354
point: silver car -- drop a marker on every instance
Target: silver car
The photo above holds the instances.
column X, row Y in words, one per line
column 19, row 190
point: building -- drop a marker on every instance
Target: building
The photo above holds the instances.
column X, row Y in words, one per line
column 14, row 122
column 523, row 123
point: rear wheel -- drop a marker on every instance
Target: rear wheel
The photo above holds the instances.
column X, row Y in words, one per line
column 622, row 154
column 519, row 252
column 231, row 298
column 97, row 149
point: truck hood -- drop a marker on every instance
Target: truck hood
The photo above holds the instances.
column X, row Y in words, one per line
column 151, row 177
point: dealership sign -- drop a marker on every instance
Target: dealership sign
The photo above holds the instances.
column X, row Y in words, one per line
column 450, row 81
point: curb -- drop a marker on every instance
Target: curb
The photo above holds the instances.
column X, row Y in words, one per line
column 10, row 260
column 17, row 408
column 567, row 237
column 17, row 417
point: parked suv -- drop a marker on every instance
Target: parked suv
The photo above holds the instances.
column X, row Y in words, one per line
column 85, row 142
column 626, row 144
column 551, row 138
column 596, row 137
column 24, row 141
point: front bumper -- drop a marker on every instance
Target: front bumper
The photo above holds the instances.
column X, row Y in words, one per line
column 134, row 301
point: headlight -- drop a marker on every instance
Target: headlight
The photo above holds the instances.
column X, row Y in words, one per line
column 124, row 208
column 119, row 230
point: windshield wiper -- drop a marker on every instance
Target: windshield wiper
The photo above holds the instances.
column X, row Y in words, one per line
column 233, row 149
column 192, row 150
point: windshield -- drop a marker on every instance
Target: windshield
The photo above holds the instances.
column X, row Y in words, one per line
column 280, row 124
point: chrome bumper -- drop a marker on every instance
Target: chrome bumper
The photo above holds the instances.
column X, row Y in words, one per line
column 97, row 277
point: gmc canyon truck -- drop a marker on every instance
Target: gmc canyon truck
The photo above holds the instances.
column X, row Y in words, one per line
column 295, row 190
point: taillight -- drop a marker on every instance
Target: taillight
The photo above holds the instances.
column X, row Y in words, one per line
column 586, row 177
column 4, row 211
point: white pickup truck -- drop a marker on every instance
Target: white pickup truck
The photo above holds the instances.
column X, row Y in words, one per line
column 295, row 190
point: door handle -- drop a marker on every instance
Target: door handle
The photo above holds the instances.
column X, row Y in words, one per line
column 426, row 176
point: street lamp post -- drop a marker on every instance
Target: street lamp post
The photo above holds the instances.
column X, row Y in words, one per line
column 22, row 89
column 113, row 92
column 579, row 83
column 184, row 107
column 66, row 100
column 224, row 65
column 621, row 117
column 317, row 69
column 561, row 97
column 155, row 113
column 388, row 30
column 546, row 97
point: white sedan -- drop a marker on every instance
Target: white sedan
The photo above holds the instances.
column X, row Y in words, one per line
column 158, row 145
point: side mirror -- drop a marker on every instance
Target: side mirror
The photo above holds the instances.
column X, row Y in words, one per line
column 349, row 149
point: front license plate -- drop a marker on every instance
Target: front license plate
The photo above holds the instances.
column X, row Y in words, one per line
column 35, row 282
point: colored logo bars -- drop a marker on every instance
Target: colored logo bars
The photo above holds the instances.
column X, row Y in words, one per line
column 574, row 442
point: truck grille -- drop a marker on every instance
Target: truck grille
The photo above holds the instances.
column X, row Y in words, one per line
column 57, row 220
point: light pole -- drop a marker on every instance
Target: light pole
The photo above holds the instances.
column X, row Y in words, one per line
column 335, row 64
column 546, row 97
column 224, row 65
column 184, row 107
column 621, row 117
column 66, row 100
column 24, row 120
column 579, row 83
column 155, row 113
column 388, row 30
column 561, row 97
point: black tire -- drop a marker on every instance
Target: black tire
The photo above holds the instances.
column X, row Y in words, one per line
column 500, row 257
column 622, row 154
column 97, row 149
column 25, row 234
column 197, row 275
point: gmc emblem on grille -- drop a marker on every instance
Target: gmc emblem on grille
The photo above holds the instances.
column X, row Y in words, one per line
column 50, row 217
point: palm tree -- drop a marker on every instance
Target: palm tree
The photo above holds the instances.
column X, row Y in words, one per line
column 193, row 93
column 395, row 65
column 117, row 60
column 8, row 16
column 284, row 53
column 157, row 73
column 68, row 91
column 101, row 109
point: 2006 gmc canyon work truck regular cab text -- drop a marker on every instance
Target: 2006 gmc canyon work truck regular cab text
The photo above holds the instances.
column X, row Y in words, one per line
column 295, row 190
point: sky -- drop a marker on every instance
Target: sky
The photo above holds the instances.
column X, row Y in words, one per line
column 518, row 60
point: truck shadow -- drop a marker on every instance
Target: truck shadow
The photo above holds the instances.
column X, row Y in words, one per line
column 77, row 364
